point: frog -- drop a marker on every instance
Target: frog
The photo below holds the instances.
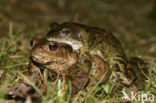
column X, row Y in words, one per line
column 60, row 61
column 88, row 41
column 47, row 54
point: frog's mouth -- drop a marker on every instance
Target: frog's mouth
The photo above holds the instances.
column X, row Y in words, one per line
column 46, row 63
column 76, row 45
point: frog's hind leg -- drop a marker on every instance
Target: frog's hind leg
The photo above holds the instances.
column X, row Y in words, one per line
column 120, row 71
column 138, row 67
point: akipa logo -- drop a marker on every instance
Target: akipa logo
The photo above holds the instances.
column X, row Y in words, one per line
column 138, row 97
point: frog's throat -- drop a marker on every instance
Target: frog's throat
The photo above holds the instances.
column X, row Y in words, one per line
column 76, row 45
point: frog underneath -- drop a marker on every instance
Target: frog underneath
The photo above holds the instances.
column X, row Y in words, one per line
column 59, row 59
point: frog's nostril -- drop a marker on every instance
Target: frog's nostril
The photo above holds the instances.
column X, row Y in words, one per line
column 41, row 48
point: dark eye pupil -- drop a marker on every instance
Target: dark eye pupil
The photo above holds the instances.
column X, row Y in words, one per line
column 53, row 47
column 67, row 31
column 31, row 43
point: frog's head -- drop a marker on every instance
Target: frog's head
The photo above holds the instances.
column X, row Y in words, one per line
column 52, row 55
column 73, row 34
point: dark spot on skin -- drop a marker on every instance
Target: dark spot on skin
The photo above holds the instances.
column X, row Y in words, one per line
column 131, row 70
column 41, row 48
column 113, row 77
column 48, row 63
column 98, row 41
column 74, row 89
column 107, row 36
column 94, row 38
column 117, row 68
column 74, row 36
column 119, row 56
column 81, row 77
column 121, row 80
column 114, row 46
column 20, row 91
column 132, row 62
column 121, row 62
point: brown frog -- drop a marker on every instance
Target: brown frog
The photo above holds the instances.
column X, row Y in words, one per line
column 59, row 59
column 52, row 55
column 87, row 41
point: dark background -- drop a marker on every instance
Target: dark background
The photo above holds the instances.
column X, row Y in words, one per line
column 133, row 22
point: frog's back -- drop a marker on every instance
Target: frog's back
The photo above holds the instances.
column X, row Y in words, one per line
column 106, row 43
column 99, row 39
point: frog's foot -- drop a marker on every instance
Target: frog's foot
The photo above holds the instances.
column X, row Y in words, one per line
column 117, row 88
column 139, row 69
column 21, row 93
column 119, row 83
column 120, row 71
column 123, row 79
column 25, row 88
column 20, row 90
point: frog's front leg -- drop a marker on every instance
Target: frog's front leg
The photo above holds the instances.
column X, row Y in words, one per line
column 78, row 77
column 100, row 70
column 35, row 75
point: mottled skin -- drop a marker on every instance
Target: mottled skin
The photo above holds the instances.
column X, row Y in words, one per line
column 94, row 41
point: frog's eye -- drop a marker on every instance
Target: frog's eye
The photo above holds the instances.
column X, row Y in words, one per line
column 53, row 47
column 66, row 31
column 33, row 42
